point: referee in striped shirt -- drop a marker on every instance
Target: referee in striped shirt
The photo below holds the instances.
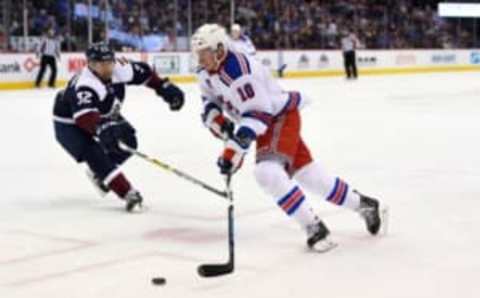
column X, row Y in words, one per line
column 49, row 51
column 350, row 43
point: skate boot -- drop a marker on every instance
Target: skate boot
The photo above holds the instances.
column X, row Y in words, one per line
column 101, row 188
column 371, row 212
column 318, row 239
column 133, row 199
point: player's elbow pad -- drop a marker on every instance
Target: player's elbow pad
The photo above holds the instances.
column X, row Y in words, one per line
column 214, row 120
column 142, row 72
column 210, row 112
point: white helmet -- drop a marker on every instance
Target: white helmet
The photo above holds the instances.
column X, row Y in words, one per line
column 236, row 31
column 209, row 36
column 236, row 28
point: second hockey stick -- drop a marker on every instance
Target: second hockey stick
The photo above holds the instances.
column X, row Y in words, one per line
column 173, row 170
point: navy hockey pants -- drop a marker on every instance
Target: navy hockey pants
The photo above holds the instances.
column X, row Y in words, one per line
column 83, row 148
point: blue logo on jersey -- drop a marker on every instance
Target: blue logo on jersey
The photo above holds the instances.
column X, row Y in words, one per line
column 475, row 58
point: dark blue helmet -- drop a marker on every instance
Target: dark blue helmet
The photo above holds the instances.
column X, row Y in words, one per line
column 100, row 52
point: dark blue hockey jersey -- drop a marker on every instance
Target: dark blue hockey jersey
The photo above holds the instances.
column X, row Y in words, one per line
column 87, row 93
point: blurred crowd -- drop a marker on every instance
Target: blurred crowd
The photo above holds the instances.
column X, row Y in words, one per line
column 379, row 24
column 271, row 24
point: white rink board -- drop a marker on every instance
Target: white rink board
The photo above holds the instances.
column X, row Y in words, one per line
column 22, row 68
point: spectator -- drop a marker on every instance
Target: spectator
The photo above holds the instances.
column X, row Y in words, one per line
column 270, row 23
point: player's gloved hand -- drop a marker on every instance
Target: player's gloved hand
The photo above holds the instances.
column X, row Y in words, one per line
column 232, row 157
column 220, row 126
column 227, row 129
column 173, row 95
column 110, row 133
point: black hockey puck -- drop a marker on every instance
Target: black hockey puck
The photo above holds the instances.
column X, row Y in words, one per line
column 159, row 281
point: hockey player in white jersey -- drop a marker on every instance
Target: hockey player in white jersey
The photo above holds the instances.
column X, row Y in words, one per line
column 243, row 104
column 240, row 42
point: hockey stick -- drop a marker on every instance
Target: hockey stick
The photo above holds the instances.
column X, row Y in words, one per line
column 212, row 270
column 173, row 170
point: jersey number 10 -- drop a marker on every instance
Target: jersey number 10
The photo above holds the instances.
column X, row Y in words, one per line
column 246, row 92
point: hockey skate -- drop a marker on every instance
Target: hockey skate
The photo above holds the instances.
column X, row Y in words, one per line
column 101, row 188
column 318, row 239
column 374, row 214
column 133, row 199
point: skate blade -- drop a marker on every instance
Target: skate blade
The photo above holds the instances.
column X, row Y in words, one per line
column 323, row 246
column 384, row 216
column 139, row 209
column 100, row 191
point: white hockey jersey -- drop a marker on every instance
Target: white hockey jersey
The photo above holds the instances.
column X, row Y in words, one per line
column 243, row 45
column 246, row 91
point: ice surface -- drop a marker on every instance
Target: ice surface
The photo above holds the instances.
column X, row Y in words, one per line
column 413, row 141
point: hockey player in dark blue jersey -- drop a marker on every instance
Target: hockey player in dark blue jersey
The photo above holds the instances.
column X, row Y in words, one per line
column 88, row 123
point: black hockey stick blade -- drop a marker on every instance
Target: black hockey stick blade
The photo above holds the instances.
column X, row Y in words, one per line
column 213, row 270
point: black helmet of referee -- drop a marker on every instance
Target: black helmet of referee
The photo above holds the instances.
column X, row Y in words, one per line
column 100, row 52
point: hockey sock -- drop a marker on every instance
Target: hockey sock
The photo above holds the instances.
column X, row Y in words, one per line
column 117, row 182
column 336, row 191
column 274, row 180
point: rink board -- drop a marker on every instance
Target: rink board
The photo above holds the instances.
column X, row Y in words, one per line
column 18, row 71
